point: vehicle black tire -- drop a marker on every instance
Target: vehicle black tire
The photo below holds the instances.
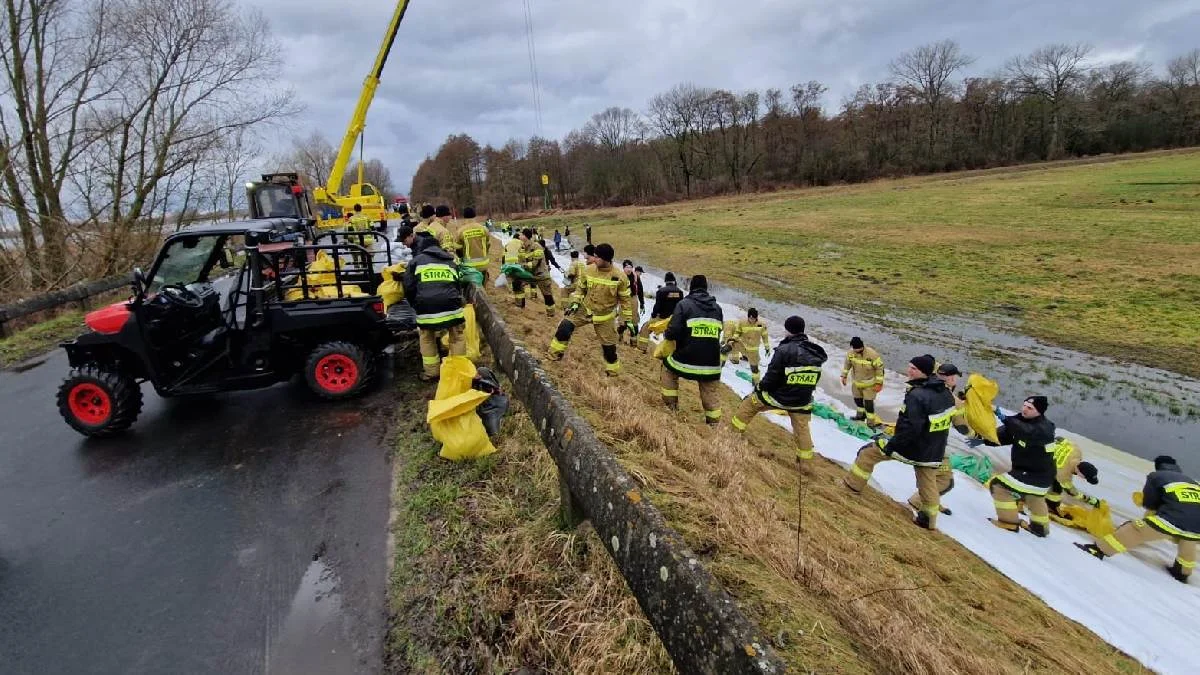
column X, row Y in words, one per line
column 99, row 402
column 338, row 370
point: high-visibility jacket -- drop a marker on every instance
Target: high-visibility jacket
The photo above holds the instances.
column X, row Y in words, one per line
column 1067, row 458
column 1033, row 467
column 866, row 368
column 696, row 328
column 574, row 272
column 512, row 252
column 438, row 230
column 792, row 375
column 472, row 242
column 533, row 257
column 601, row 290
column 750, row 335
column 1175, row 500
column 431, row 286
column 359, row 223
column 924, row 423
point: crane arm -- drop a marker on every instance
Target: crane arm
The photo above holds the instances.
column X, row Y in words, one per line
column 359, row 120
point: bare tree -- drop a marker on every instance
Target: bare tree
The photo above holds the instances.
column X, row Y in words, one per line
column 676, row 115
column 1051, row 73
column 927, row 70
column 375, row 173
column 311, row 157
column 736, row 121
column 614, row 128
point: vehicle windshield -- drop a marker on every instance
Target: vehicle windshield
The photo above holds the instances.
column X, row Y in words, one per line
column 276, row 201
column 183, row 261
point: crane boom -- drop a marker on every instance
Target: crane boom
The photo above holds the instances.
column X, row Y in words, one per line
column 359, row 120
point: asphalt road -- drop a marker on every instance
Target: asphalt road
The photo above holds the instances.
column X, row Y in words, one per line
column 245, row 533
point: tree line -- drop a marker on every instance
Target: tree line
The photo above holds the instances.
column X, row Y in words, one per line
column 692, row 141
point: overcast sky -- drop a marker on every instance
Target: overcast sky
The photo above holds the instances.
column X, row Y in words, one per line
column 462, row 66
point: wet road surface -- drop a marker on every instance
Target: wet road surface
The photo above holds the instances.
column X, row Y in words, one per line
column 244, row 533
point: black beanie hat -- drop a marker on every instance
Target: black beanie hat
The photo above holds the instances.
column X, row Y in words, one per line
column 442, row 211
column 699, row 282
column 605, row 252
column 469, row 212
column 794, row 325
column 669, row 277
column 924, row 363
column 589, row 250
column 752, row 313
column 1089, row 472
column 1163, row 461
column 856, row 342
column 528, row 232
column 427, row 211
column 1040, row 403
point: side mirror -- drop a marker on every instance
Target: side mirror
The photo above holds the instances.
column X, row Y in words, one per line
column 139, row 282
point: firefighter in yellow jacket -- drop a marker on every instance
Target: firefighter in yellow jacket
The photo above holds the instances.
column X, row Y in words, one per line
column 472, row 241
column 864, row 368
column 600, row 292
column 1069, row 462
column 516, row 285
column 431, row 223
column 746, row 335
column 534, row 259
column 573, row 275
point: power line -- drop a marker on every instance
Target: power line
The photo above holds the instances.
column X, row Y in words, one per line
column 533, row 70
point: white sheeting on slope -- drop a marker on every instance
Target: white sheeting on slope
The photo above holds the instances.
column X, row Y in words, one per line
column 1129, row 600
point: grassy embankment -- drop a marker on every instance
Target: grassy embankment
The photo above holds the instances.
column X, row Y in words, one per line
column 1100, row 257
column 39, row 338
column 484, row 581
column 871, row 594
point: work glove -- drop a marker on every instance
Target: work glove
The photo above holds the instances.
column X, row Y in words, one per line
column 631, row 327
column 570, row 311
column 843, row 380
column 878, row 388
column 1093, row 502
column 962, row 395
column 727, row 347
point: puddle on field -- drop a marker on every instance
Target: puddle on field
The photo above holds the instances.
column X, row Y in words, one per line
column 312, row 639
column 1140, row 410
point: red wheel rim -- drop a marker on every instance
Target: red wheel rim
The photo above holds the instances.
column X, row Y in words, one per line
column 336, row 373
column 89, row 403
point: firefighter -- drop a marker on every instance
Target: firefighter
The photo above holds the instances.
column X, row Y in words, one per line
column 791, row 377
column 574, row 272
column 587, row 229
column 589, row 255
column 431, row 286
column 865, row 366
column 945, row 474
column 665, row 300
column 358, row 221
column 920, row 440
column 1172, row 503
column 695, row 327
column 472, row 241
column 599, row 293
column 435, row 224
column 747, row 335
column 516, row 285
column 534, row 259
column 1031, row 436
column 1069, row 463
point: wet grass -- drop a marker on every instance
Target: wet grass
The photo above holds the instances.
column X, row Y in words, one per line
column 868, row 592
column 39, row 338
column 483, row 581
column 1103, row 258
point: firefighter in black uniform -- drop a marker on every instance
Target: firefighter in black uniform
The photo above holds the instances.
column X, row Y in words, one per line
column 431, row 286
column 1031, row 436
column 665, row 299
column 788, row 385
column 695, row 328
column 1172, row 503
column 920, row 439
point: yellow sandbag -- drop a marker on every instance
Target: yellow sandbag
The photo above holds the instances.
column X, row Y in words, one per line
column 391, row 289
column 981, row 392
column 659, row 326
column 470, row 334
column 664, row 349
column 451, row 416
column 1097, row 522
column 320, row 270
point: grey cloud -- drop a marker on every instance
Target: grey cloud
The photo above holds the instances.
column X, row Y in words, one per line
column 461, row 65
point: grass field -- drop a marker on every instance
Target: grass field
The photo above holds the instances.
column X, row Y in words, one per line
column 1100, row 257
column 39, row 337
column 871, row 593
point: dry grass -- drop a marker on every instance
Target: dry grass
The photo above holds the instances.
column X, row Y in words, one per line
column 870, row 592
column 484, row 581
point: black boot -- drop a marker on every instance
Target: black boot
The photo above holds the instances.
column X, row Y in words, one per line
column 945, row 511
column 1176, row 571
column 1011, row 527
column 1038, row 529
column 922, row 520
column 1092, row 549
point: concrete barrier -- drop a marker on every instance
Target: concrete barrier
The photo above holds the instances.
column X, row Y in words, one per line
column 698, row 621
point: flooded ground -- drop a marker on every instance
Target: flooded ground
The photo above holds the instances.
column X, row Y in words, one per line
column 1140, row 410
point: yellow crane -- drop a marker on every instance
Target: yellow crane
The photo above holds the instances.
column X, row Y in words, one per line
column 374, row 205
